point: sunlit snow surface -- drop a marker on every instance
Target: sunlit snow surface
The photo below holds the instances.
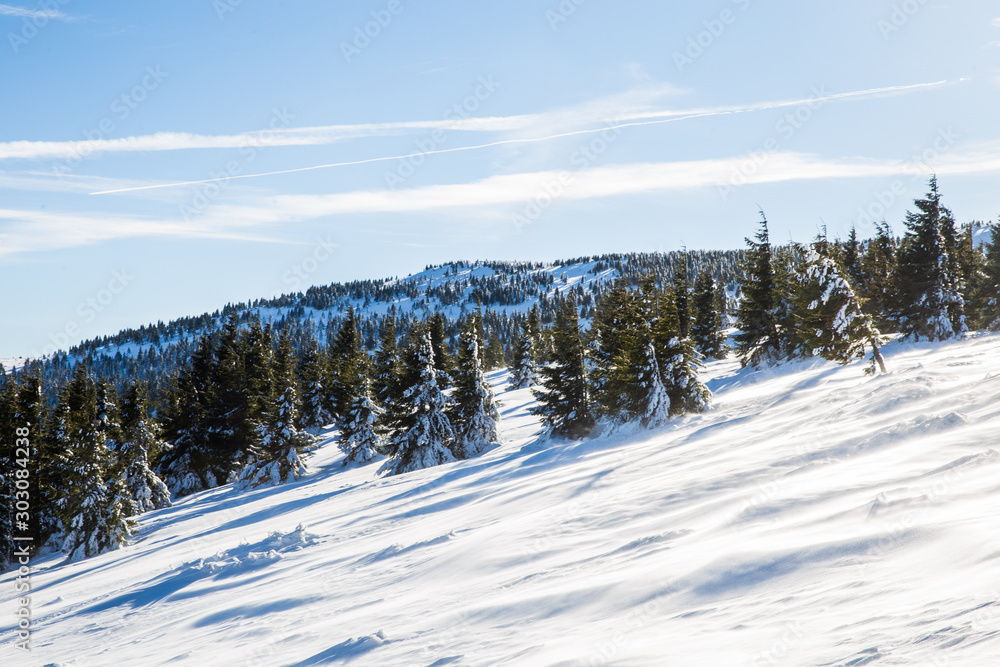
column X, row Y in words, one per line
column 815, row 517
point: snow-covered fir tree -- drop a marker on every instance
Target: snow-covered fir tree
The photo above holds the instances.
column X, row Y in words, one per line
column 424, row 434
column 760, row 339
column 360, row 438
column 108, row 416
column 656, row 411
column 990, row 315
column 315, row 398
column 278, row 458
column 829, row 315
column 348, row 363
column 192, row 462
column 619, row 332
column 564, row 403
column 524, row 370
column 437, row 325
column 140, row 436
column 707, row 328
column 387, row 363
column 91, row 511
column 682, row 297
column 932, row 306
column 878, row 286
column 476, row 416
column 679, row 361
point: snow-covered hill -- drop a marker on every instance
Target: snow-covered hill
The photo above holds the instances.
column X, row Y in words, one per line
column 815, row 517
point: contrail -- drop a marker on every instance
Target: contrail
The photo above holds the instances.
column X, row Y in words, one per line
column 676, row 117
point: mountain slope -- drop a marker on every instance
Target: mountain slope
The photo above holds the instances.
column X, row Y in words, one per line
column 815, row 517
column 504, row 291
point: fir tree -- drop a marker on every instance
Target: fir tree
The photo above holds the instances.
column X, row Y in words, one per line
column 524, row 371
column 970, row 264
column 474, row 407
column 494, row 355
column 932, row 306
column 617, row 351
column 348, row 363
column 990, row 316
column 444, row 363
column 140, row 439
column 877, row 286
column 564, row 400
column 829, row 315
column 707, row 329
column 239, row 397
column 397, row 409
column 424, row 435
column 534, row 330
column 851, row 257
column 360, row 437
column 257, row 382
column 192, row 462
column 107, row 415
column 682, row 297
column 388, row 369
column 656, row 410
column 678, row 360
column 759, row 340
column 315, row 398
column 278, row 457
column 91, row 512
column 45, row 483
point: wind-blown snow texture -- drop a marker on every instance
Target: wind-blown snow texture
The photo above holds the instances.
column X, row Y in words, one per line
column 815, row 516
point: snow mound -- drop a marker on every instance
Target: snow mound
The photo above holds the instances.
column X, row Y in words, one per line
column 251, row 556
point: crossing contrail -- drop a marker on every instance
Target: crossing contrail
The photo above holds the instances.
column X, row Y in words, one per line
column 675, row 116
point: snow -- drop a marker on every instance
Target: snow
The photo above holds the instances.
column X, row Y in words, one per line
column 815, row 516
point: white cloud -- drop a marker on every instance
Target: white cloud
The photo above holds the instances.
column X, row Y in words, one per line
column 995, row 23
column 631, row 107
column 496, row 197
column 11, row 10
column 40, row 231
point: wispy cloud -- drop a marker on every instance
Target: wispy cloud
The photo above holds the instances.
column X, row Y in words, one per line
column 41, row 231
column 620, row 110
column 496, row 197
column 55, row 14
column 622, row 121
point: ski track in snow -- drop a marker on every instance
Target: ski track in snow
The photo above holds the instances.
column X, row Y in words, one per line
column 815, row 516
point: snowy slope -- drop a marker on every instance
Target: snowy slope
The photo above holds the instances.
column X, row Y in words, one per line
column 815, row 517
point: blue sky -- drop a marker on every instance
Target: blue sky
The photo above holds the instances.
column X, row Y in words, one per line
column 458, row 130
